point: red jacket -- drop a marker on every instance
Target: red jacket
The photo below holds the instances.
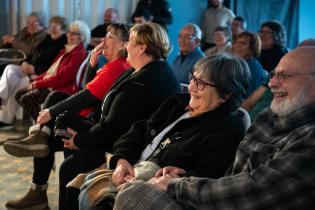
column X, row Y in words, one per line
column 65, row 78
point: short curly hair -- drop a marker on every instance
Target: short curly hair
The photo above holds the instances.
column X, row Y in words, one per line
column 83, row 29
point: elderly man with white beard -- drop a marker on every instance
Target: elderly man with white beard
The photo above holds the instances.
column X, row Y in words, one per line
column 274, row 166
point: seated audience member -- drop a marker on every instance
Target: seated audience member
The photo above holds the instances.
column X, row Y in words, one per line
column 16, row 77
column 222, row 40
column 57, row 102
column 247, row 46
column 190, row 52
column 61, row 75
column 262, row 96
column 110, row 16
column 159, row 10
column 238, row 26
column 27, row 39
column 273, row 44
column 274, row 166
column 133, row 96
column 194, row 139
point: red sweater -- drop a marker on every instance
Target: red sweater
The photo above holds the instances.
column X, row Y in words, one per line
column 104, row 79
column 64, row 79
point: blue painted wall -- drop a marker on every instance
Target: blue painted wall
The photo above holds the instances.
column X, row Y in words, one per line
column 184, row 11
column 306, row 19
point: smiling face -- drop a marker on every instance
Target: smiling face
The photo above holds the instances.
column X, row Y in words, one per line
column 203, row 100
column 186, row 40
column 220, row 38
column 55, row 30
column 241, row 47
column 135, row 50
column 73, row 36
column 112, row 44
column 294, row 87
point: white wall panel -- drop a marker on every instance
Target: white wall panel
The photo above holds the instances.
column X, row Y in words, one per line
column 90, row 11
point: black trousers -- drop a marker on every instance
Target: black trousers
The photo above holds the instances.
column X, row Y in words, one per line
column 75, row 161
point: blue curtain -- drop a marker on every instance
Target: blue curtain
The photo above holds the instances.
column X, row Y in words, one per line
column 259, row 11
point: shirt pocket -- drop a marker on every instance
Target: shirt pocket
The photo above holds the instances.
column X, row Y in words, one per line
column 261, row 154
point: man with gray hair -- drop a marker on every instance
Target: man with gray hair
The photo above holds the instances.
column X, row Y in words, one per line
column 190, row 52
column 274, row 166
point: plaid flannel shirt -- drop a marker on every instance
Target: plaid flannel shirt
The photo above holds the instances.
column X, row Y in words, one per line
column 274, row 169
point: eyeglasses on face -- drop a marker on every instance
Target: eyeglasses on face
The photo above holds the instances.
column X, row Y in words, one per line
column 186, row 37
column 73, row 33
column 109, row 35
column 283, row 76
column 200, row 84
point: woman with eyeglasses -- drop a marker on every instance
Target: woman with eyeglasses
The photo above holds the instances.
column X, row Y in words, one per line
column 273, row 44
column 195, row 134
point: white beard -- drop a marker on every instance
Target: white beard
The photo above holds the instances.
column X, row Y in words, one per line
column 291, row 104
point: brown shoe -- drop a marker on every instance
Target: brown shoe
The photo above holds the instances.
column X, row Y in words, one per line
column 35, row 199
column 35, row 145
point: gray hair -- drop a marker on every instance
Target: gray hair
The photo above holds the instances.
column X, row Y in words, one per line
column 229, row 73
column 84, row 30
column 197, row 31
column 40, row 16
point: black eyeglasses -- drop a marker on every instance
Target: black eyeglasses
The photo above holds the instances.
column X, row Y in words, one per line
column 200, row 84
column 282, row 76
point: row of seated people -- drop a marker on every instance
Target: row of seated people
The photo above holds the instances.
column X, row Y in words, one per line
column 248, row 47
column 112, row 123
column 158, row 162
column 54, row 66
column 111, row 35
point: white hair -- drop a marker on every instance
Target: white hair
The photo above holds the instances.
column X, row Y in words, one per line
column 84, row 30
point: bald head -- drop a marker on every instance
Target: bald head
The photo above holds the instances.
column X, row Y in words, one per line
column 301, row 59
column 293, row 85
column 111, row 16
column 307, row 42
